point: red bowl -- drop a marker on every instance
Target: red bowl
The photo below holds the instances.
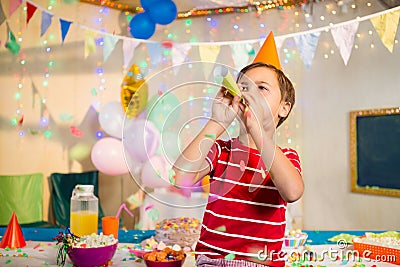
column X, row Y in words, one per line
column 90, row 257
column 175, row 263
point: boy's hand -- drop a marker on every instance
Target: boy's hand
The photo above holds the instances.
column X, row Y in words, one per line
column 225, row 108
column 258, row 116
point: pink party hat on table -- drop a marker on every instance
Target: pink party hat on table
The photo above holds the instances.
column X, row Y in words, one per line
column 13, row 237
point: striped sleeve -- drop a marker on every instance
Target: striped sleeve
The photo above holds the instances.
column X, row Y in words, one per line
column 292, row 155
column 214, row 154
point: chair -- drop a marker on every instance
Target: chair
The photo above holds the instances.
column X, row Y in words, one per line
column 24, row 195
column 62, row 186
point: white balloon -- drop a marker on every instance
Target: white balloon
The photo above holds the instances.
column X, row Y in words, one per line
column 111, row 118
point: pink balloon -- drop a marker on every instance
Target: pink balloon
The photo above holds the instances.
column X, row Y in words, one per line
column 108, row 157
column 155, row 172
column 141, row 139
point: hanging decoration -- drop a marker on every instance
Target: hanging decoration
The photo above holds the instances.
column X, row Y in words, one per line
column 134, row 92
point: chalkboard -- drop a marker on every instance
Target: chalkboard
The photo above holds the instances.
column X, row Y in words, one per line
column 375, row 151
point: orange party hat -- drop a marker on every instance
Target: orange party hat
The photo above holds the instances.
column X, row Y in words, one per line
column 13, row 237
column 268, row 53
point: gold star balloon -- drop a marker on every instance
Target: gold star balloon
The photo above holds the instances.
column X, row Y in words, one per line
column 134, row 92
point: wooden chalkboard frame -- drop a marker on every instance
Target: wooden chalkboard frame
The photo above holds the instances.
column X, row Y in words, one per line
column 355, row 187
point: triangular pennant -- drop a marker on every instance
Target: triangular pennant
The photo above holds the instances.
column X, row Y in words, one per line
column 30, row 10
column 307, row 44
column 279, row 42
column 11, row 43
column 179, row 52
column 128, row 49
column 208, row 53
column 268, row 52
column 240, row 55
column 2, row 15
column 344, row 39
column 46, row 22
column 155, row 52
column 90, row 44
column 386, row 27
column 14, row 5
column 109, row 44
column 64, row 28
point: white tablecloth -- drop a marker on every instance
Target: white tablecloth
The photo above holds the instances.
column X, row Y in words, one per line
column 45, row 254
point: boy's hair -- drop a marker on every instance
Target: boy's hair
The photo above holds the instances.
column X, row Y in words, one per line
column 285, row 85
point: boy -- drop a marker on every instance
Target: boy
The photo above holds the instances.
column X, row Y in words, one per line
column 251, row 179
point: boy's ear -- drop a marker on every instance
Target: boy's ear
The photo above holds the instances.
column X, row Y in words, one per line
column 284, row 109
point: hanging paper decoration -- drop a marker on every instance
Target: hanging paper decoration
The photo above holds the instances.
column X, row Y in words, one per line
column 46, row 22
column 64, row 28
column 240, row 54
column 90, row 44
column 11, row 43
column 208, row 53
column 128, row 48
column 307, row 44
column 109, row 44
column 2, row 15
column 344, row 39
column 134, row 92
column 14, row 4
column 386, row 27
column 30, row 10
column 155, row 52
column 178, row 54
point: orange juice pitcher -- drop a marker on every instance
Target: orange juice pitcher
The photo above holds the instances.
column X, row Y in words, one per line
column 84, row 211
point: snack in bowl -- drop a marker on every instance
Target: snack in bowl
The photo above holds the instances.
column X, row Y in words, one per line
column 87, row 251
column 165, row 258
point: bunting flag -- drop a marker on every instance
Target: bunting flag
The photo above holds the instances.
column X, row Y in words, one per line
column 386, row 27
column 307, row 44
column 109, row 44
column 344, row 39
column 128, row 48
column 240, row 54
column 46, row 22
column 178, row 55
column 208, row 53
column 279, row 42
column 14, row 5
column 11, row 43
column 64, row 28
column 30, row 10
column 2, row 15
column 155, row 52
column 90, row 44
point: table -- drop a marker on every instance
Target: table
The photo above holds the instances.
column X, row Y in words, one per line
column 42, row 251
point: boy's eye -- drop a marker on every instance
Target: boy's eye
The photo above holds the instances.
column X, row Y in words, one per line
column 262, row 87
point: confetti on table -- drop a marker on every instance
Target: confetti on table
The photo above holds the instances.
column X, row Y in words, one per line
column 221, row 228
column 171, row 176
column 263, row 174
column 230, row 256
column 75, row 131
column 153, row 214
column 8, row 261
column 148, row 207
column 242, row 166
column 211, row 136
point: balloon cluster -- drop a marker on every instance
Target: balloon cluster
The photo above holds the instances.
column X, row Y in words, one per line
column 140, row 137
column 143, row 25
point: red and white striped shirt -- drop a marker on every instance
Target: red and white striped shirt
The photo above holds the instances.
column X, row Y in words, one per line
column 245, row 212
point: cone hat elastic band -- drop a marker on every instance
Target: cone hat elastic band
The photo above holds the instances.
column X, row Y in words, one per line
column 13, row 237
column 268, row 53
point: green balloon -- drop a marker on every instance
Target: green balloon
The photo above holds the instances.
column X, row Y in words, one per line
column 163, row 110
column 80, row 151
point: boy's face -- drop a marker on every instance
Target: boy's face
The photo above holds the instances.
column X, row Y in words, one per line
column 265, row 81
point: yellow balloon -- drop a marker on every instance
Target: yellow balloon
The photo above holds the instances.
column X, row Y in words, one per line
column 134, row 92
